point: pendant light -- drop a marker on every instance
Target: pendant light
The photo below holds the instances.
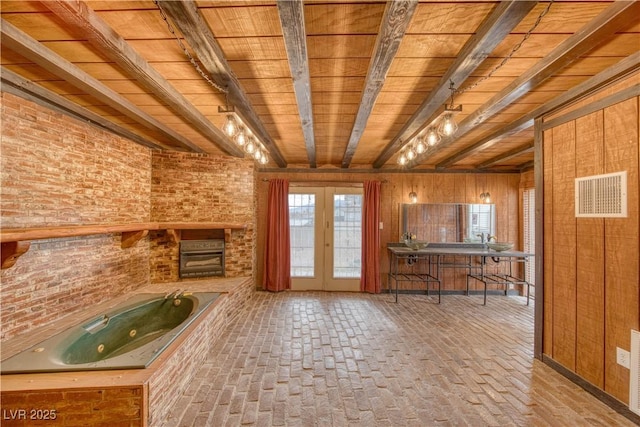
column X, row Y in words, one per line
column 432, row 136
column 448, row 126
column 421, row 147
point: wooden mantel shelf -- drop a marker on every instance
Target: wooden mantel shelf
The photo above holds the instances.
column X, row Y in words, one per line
column 15, row 241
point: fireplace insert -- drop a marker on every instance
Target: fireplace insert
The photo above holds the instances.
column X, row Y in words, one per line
column 201, row 258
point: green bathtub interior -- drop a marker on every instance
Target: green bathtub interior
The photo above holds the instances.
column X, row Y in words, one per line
column 128, row 330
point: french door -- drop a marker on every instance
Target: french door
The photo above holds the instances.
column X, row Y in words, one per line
column 326, row 234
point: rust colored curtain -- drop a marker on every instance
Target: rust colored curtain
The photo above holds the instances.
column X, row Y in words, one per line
column 370, row 273
column 277, row 253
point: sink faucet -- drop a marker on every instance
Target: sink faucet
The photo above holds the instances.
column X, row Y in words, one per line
column 495, row 239
column 481, row 236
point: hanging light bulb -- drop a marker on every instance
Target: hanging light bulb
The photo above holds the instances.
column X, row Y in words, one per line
column 487, row 197
column 448, row 126
column 413, row 197
column 402, row 159
column 411, row 154
column 241, row 137
column 257, row 154
column 250, row 146
column 421, row 147
column 264, row 159
column 432, row 136
column 230, row 126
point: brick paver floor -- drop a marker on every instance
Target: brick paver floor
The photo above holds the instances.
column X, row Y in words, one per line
column 351, row 359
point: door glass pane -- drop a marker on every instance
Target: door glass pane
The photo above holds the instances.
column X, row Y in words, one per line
column 302, row 209
column 347, row 235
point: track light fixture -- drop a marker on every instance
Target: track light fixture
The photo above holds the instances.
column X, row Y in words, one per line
column 240, row 134
column 446, row 128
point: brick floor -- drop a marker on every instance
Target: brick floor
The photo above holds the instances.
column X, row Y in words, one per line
column 350, row 359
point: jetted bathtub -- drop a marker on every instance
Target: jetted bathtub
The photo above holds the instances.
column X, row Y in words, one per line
column 130, row 336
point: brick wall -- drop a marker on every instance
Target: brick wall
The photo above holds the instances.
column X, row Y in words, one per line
column 56, row 170
column 198, row 187
column 59, row 171
column 58, row 277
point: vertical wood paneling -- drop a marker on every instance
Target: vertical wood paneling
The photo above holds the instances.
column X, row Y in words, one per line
column 564, row 246
column 600, row 257
column 472, row 195
column 460, row 188
column 621, row 244
column 590, row 258
column 548, row 243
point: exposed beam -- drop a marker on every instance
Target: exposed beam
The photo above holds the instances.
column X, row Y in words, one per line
column 519, row 125
column 14, row 39
column 491, row 32
column 88, row 25
column 397, row 15
column 19, row 86
column 518, row 151
column 186, row 16
column 618, row 16
column 295, row 39
column 623, row 68
column 527, row 165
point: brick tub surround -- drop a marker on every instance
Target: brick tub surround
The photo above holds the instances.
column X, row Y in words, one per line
column 136, row 397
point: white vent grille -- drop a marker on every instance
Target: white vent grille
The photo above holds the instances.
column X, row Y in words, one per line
column 602, row 196
column 634, row 377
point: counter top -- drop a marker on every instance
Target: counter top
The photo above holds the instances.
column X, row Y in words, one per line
column 455, row 249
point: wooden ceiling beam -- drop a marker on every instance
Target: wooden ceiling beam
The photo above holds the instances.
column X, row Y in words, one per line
column 396, row 19
column 14, row 39
column 491, row 32
column 295, row 39
column 518, row 151
column 618, row 16
column 19, row 86
column 623, row 68
column 186, row 16
column 88, row 25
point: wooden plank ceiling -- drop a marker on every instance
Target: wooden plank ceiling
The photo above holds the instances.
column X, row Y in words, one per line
column 321, row 84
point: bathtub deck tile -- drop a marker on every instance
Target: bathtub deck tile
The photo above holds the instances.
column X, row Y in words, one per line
column 316, row 359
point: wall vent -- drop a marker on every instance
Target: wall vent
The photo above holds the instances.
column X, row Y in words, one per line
column 634, row 377
column 602, row 196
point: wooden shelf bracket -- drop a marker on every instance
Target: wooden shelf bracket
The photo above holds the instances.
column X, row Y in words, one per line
column 11, row 251
column 130, row 238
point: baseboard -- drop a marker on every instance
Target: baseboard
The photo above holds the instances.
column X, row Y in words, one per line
column 601, row 395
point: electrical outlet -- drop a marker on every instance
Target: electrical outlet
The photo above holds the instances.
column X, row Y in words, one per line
column 623, row 357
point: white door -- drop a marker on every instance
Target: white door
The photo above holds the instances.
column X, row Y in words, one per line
column 326, row 235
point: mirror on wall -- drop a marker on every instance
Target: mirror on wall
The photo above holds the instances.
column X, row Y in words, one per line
column 447, row 222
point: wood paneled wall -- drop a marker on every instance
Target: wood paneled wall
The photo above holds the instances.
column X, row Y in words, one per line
column 430, row 187
column 591, row 271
